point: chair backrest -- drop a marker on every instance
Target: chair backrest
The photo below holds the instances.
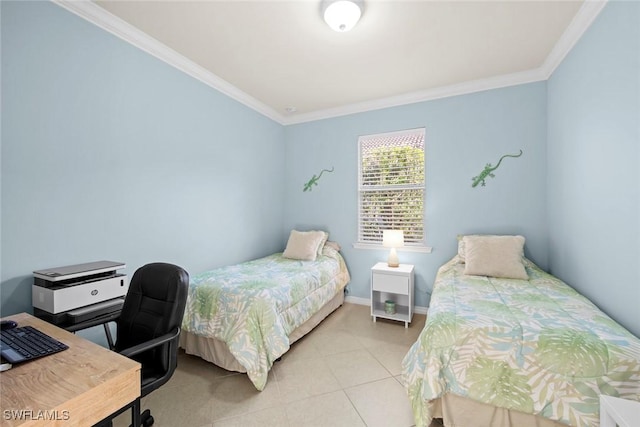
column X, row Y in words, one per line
column 154, row 306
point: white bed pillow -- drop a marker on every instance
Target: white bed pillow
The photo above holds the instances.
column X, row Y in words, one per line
column 494, row 256
column 334, row 245
column 303, row 245
column 322, row 242
column 461, row 246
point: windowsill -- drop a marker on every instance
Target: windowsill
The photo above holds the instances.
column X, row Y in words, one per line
column 422, row 249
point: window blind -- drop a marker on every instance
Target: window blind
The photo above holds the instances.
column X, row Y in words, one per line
column 391, row 186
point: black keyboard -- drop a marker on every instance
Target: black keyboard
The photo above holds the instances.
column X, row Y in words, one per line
column 27, row 343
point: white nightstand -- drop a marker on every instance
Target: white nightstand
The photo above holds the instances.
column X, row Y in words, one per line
column 394, row 284
column 619, row 412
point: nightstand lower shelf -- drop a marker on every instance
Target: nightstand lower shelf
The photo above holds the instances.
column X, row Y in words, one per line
column 401, row 314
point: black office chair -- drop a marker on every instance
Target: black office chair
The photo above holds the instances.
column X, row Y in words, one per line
column 149, row 325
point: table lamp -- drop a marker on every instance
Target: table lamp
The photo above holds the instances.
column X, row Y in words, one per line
column 393, row 239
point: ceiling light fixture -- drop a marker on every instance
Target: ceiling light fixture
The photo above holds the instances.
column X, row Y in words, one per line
column 341, row 15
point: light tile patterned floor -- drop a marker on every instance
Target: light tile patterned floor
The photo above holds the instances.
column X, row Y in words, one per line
column 344, row 373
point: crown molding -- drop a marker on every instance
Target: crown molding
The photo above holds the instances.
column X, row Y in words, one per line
column 587, row 13
column 464, row 88
column 120, row 28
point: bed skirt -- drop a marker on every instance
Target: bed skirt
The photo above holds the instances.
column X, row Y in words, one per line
column 216, row 351
column 457, row 411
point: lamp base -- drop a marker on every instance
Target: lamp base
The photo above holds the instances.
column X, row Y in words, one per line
column 393, row 260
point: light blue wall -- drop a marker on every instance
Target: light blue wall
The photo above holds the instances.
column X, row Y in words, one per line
column 594, row 162
column 109, row 153
column 463, row 133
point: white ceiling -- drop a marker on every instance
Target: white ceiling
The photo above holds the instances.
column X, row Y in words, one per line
column 273, row 55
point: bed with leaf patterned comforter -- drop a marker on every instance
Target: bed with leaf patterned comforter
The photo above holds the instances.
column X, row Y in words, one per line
column 252, row 307
column 534, row 346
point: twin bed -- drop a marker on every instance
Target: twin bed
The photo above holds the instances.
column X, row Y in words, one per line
column 244, row 317
column 500, row 351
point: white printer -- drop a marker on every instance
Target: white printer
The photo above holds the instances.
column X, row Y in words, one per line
column 76, row 293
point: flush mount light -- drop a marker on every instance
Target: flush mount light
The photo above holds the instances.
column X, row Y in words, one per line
column 341, row 15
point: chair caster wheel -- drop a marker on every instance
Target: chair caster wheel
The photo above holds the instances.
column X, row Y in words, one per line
column 146, row 418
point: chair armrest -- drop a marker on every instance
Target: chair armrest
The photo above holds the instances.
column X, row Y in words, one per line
column 101, row 320
column 148, row 345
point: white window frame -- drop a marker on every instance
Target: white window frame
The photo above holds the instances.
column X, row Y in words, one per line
column 367, row 244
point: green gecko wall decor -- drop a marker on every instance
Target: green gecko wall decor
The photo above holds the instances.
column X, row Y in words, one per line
column 314, row 180
column 488, row 171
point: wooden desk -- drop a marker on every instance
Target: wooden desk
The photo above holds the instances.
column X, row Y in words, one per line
column 79, row 386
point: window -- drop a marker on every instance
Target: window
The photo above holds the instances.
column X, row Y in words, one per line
column 391, row 187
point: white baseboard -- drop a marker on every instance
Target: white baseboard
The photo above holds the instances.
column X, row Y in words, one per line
column 418, row 309
column 366, row 301
column 358, row 300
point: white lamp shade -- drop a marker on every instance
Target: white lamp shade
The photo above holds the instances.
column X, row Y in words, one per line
column 342, row 15
column 392, row 238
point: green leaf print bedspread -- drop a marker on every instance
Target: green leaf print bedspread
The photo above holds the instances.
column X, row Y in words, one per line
column 254, row 306
column 535, row 346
